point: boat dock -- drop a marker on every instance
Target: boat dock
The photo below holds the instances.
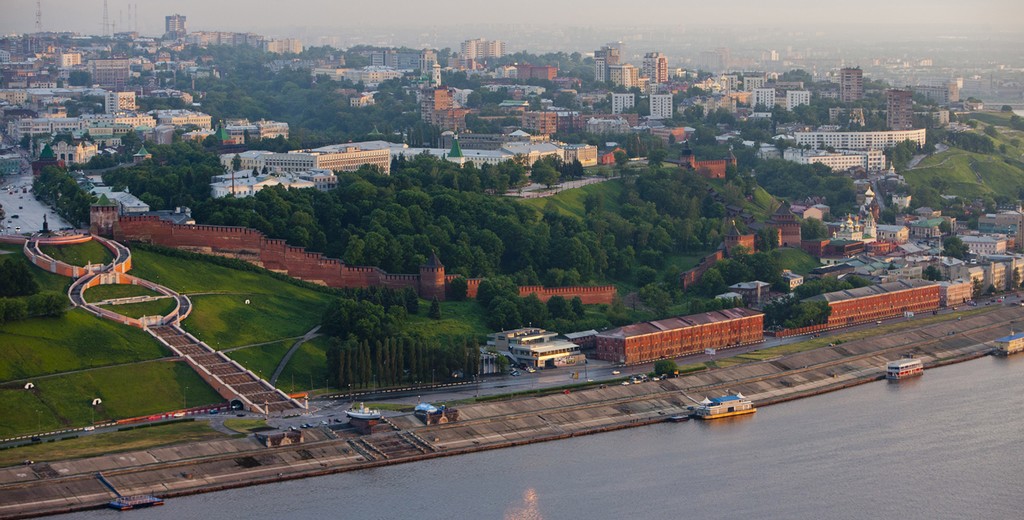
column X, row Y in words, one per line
column 124, row 503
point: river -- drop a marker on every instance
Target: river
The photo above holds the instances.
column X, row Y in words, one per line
column 946, row 445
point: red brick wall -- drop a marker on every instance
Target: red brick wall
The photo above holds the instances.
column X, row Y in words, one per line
column 883, row 306
column 589, row 295
column 683, row 341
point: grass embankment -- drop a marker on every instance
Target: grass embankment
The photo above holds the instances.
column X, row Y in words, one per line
column 113, row 442
column 47, row 281
column 307, row 370
column 161, row 307
column 247, row 425
column 127, row 391
column 796, row 260
column 262, row 359
column 91, row 252
column 276, row 310
column 75, row 341
column 570, row 202
column 967, row 174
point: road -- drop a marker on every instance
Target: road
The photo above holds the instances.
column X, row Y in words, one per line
column 24, row 212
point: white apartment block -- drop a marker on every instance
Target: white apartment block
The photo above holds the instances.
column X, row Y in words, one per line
column 661, row 106
column 859, row 140
column 285, row 46
column 753, row 82
column 870, row 160
column 371, row 76
column 763, row 97
column 19, row 128
column 622, row 102
column 69, row 59
column 115, row 102
column 795, row 98
column 481, row 48
column 261, row 129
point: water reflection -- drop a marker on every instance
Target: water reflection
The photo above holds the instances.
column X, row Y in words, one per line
column 527, row 509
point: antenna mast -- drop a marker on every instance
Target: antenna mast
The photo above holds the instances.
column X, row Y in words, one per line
column 39, row 16
column 106, row 19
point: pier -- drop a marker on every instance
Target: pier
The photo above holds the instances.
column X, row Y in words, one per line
column 124, row 503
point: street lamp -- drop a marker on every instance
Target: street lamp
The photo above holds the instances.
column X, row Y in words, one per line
column 184, row 402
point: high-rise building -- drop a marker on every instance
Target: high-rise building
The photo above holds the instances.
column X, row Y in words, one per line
column 661, row 106
column 656, row 67
column 851, row 84
column 479, row 49
column 624, row 75
column 174, row 26
column 899, row 114
column 795, row 98
column 763, row 97
column 605, row 57
column 110, row 73
column 119, row 102
column 752, row 82
column 622, row 102
column 427, row 60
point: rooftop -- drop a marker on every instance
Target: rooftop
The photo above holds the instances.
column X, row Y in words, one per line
column 679, row 322
column 871, row 290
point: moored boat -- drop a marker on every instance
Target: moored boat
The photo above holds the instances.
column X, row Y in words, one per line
column 725, row 406
column 903, row 368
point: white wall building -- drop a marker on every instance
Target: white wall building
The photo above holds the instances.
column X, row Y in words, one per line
column 661, row 106
column 115, row 102
column 763, row 97
column 795, row 98
column 859, row 140
column 340, row 157
column 622, row 102
column 871, row 160
column 182, row 118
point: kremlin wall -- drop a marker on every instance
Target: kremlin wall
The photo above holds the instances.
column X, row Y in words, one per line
column 274, row 254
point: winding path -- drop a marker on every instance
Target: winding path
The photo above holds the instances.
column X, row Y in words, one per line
column 230, row 379
column 288, row 355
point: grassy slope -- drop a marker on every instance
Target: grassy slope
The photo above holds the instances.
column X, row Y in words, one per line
column 262, row 359
column 570, row 202
column 308, row 366
column 65, row 401
column 77, row 340
column 276, row 310
column 795, row 260
column 131, row 440
column 161, row 307
column 80, row 254
column 109, row 292
column 47, row 281
column 971, row 174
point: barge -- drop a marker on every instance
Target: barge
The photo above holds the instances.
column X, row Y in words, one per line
column 903, row 368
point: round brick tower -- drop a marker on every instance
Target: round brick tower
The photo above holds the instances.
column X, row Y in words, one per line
column 432, row 279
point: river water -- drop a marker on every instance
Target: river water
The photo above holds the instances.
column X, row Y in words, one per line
column 946, row 445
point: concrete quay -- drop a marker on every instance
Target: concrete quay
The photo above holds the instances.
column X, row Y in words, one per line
column 49, row 488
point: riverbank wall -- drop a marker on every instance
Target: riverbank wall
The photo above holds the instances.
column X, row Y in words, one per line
column 50, row 488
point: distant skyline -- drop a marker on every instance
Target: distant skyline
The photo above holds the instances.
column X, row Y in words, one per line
column 330, row 17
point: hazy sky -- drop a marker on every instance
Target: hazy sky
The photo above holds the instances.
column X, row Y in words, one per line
column 285, row 17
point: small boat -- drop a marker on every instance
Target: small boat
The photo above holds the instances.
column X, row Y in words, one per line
column 678, row 418
column 363, row 413
column 725, row 406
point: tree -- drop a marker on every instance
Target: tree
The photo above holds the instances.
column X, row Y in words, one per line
column 656, row 298
column 656, row 156
column 813, row 229
column 435, row 310
column 932, row 273
column 1006, row 108
column 457, row 289
column 665, row 366
column 544, row 173
column 621, row 158
column 954, row 247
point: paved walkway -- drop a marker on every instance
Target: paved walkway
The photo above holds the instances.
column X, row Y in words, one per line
column 288, row 356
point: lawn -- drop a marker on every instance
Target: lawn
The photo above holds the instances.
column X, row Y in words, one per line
column 262, row 359
column 113, row 442
column 795, row 260
column 225, row 321
column 77, row 340
column 247, row 425
column 91, row 252
column 307, row 369
column 127, row 391
column 114, row 291
column 161, row 307
column 570, row 202
column 968, row 174
column 47, row 281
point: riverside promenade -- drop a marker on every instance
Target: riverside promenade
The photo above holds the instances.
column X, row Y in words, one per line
column 48, row 488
